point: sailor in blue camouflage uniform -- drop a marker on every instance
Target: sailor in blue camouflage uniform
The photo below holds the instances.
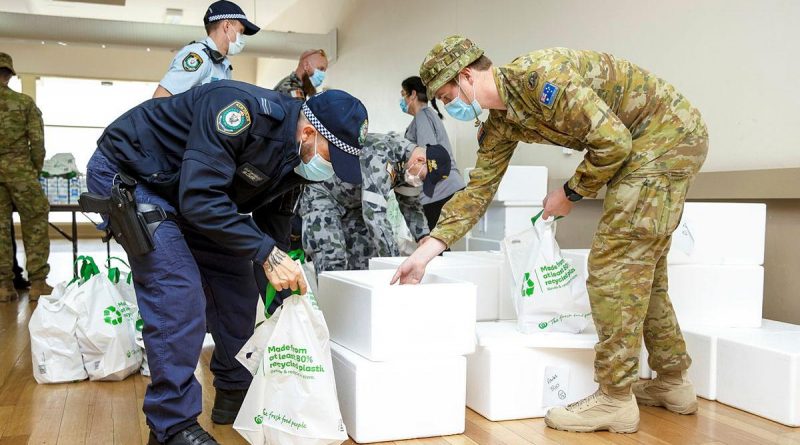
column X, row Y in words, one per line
column 344, row 225
column 199, row 63
column 224, row 162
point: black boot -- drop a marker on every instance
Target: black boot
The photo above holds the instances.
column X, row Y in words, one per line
column 193, row 435
column 226, row 405
column 21, row 283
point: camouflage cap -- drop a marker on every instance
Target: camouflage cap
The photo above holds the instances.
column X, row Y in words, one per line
column 5, row 62
column 445, row 60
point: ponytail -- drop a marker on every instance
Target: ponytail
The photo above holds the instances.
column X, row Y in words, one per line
column 414, row 84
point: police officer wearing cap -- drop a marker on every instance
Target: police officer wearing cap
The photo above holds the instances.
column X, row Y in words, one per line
column 218, row 171
column 202, row 62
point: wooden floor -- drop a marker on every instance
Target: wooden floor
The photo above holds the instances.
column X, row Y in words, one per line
column 110, row 413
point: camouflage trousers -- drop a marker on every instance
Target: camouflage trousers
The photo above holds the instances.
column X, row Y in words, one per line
column 334, row 237
column 31, row 203
column 627, row 283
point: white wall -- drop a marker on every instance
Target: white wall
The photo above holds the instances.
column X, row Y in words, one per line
column 734, row 59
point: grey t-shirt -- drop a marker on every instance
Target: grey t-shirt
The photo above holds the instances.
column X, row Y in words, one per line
column 426, row 128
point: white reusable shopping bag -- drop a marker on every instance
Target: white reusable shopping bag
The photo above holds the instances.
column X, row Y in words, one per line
column 123, row 281
column 292, row 400
column 54, row 348
column 549, row 293
column 106, row 327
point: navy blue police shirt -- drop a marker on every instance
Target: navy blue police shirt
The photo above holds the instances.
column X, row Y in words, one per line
column 217, row 153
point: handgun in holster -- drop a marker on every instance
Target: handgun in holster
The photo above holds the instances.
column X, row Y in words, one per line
column 130, row 223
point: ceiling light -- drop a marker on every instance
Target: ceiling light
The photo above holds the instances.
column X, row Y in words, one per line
column 148, row 50
column 103, row 46
column 62, row 43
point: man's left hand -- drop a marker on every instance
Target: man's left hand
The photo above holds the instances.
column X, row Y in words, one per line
column 556, row 204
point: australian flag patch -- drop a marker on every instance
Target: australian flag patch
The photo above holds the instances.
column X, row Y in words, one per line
column 549, row 95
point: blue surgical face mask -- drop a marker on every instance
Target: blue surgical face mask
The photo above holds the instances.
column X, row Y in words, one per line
column 237, row 46
column 403, row 105
column 317, row 78
column 462, row 111
column 317, row 169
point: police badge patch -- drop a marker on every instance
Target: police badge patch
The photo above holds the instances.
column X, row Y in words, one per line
column 192, row 62
column 233, row 119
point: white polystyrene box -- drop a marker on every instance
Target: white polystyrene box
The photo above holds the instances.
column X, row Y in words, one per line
column 388, row 322
column 701, row 344
column 483, row 244
column 760, row 373
column 503, row 219
column 506, row 310
column 705, row 294
column 516, row 376
column 720, row 233
column 401, row 399
column 483, row 274
column 721, row 296
column 520, row 183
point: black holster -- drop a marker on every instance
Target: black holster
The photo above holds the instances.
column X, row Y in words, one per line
column 130, row 223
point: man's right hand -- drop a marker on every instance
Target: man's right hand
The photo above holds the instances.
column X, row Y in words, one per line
column 283, row 272
column 413, row 268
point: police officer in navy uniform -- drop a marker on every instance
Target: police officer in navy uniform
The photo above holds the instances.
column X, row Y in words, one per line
column 202, row 62
column 224, row 161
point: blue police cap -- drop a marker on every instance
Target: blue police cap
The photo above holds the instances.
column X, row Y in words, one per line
column 342, row 120
column 225, row 10
column 439, row 165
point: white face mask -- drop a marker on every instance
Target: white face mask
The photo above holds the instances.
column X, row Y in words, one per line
column 236, row 46
column 414, row 180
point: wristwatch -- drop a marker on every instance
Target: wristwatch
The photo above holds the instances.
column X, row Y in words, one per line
column 572, row 195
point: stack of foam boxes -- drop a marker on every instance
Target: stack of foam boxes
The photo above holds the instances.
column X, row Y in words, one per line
column 398, row 352
column 716, row 282
column 511, row 375
column 518, row 198
column 61, row 190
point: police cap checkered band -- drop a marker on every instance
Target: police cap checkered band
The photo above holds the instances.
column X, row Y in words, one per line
column 215, row 18
column 327, row 134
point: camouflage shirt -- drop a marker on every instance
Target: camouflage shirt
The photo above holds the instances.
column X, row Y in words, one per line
column 291, row 85
column 21, row 136
column 622, row 115
column 383, row 160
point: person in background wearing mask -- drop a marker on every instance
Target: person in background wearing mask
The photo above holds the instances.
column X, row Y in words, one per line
column 345, row 225
column 304, row 81
column 427, row 129
column 644, row 143
column 199, row 63
column 217, row 184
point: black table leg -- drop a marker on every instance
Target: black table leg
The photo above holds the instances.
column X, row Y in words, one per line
column 74, row 244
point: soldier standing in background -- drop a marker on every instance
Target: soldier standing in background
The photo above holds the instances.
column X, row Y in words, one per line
column 22, row 151
column 308, row 77
column 645, row 142
column 344, row 225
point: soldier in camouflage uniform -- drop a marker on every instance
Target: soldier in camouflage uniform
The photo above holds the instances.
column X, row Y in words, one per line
column 22, row 151
column 645, row 142
column 345, row 225
column 308, row 77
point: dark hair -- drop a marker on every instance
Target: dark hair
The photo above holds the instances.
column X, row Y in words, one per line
column 414, row 84
column 212, row 26
column 482, row 63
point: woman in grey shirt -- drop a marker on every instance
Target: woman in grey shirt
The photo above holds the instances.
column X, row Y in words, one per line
column 427, row 129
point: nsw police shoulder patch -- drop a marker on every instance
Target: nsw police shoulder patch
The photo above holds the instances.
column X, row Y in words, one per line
column 233, row 119
column 192, row 62
column 362, row 132
column 549, row 94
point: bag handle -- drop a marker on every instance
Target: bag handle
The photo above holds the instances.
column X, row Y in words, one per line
column 298, row 255
column 539, row 215
column 114, row 272
column 87, row 269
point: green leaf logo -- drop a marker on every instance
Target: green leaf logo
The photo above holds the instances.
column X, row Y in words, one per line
column 259, row 420
column 543, row 325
